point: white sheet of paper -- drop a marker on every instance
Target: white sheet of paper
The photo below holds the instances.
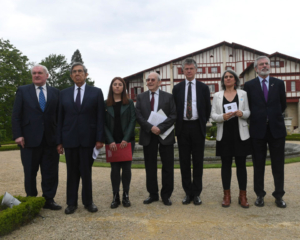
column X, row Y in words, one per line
column 166, row 133
column 155, row 118
column 230, row 107
column 96, row 152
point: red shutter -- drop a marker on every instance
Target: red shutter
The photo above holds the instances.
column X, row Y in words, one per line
column 232, row 68
column 209, row 70
column 216, row 87
column 179, row 70
column 288, row 86
column 219, row 69
column 132, row 93
column 281, row 63
column 203, row 70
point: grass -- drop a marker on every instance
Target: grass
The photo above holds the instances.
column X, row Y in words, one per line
column 177, row 166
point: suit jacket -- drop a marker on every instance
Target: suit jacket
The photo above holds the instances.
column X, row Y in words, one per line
column 143, row 111
column 28, row 119
column 217, row 113
column 203, row 105
column 82, row 127
column 261, row 111
column 127, row 122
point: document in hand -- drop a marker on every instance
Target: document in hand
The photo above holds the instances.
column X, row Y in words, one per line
column 230, row 107
column 96, row 152
column 156, row 118
column 121, row 155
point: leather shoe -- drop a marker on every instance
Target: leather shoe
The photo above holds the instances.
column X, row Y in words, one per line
column 280, row 203
column 186, row 200
column 91, row 208
column 167, row 201
column 197, row 200
column 70, row 209
column 52, row 206
column 150, row 199
column 259, row 201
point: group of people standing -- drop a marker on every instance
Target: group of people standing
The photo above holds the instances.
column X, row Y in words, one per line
column 76, row 120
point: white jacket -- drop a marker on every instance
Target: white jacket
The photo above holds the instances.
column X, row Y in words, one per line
column 217, row 113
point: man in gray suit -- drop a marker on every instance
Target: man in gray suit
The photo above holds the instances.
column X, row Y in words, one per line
column 155, row 100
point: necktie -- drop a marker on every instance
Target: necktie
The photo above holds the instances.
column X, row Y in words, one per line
column 265, row 89
column 78, row 99
column 189, row 112
column 152, row 101
column 42, row 100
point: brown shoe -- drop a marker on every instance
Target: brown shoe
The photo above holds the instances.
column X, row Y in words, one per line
column 243, row 199
column 226, row 199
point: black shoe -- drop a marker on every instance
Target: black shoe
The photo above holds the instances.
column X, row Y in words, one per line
column 91, row 208
column 151, row 199
column 259, row 201
column 52, row 206
column 116, row 201
column 197, row 200
column 125, row 200
column 70, row 209
column 186, row 200
column 280, row 203
column 167, row 201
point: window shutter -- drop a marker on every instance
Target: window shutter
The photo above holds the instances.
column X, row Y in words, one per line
column 180, row 70
column 288, row 86
column 219, row 69
column 281, row 63
column 209, row 70
column 132, row 93
column 203, row 70
column 216, row 87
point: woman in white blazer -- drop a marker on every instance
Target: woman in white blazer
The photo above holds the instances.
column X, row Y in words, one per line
column 230, row 111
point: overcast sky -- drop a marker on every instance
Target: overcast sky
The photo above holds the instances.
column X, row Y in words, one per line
column 122, row 37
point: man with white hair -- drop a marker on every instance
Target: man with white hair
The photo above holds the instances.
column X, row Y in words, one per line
column 34, row 121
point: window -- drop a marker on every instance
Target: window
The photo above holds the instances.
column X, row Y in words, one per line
column 137, row 90
column 229, row 68
column 214, row 69
column 277, row 64
column 293, row 86
column 211, row 88
column 201, row 70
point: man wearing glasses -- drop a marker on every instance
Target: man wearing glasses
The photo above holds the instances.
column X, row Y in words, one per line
column 155, row 100
column 80, row 129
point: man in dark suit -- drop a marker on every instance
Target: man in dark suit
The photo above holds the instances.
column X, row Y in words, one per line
column 80, row 129
column 155, row 100
column 34, row 121
column 192, row 99
column 267, row 102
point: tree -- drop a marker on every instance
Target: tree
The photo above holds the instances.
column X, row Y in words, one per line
column 14, row 72
column 76, row 57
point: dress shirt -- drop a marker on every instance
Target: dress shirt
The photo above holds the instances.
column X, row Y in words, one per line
column 156, row 95
column 38, row 91
column 194, row 100
column 82, row 88
column 267, row 82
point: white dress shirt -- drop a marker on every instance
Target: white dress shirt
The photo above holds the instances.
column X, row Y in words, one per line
column 82, row 88
column 261, row 83
column 156, row 95
column 38, row 91
column 194, row 100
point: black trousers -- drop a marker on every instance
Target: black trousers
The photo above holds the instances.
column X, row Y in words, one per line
column 116, row 177
column 241, row 172
column 166, row 153
column 79, row 165
column 191, row 142
column 47, row 158
column 276, row 148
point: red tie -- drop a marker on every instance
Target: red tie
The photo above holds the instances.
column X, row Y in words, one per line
column 152, row 101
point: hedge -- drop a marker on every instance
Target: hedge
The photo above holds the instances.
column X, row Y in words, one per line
column 9, row 147
column 13, row 218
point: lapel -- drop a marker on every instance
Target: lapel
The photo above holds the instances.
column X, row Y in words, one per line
column 220, row 101
column 86, row 95
column 198, row 93
column 33, row 95
column 257, row 86
column 241, row 99
column 49, row 97
column 182, row 95
column 146, row 100
column 160, row 100
column 71, row 97
column 110, row 111
column 124, row 107
column 271, row 88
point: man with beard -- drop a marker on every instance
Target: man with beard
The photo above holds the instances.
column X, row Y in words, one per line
column 267, row 102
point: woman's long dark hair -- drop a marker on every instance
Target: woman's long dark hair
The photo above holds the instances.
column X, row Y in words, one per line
column 110, row 97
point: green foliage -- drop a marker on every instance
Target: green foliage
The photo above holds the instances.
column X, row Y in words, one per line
column 293, row 137
column 76, row 57
column 7, row 142
column 9, row 147
column 12, row 218
column 213, row 131
column 14, row 72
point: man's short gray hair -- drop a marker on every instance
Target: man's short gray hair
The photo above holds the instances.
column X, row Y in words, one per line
column 188, row 61
column 42, row 66
column 258, row 58
column 78, row 64
column 157, row 75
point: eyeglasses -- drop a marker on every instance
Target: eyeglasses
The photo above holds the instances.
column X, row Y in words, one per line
column 150, row 80
column 79, row 71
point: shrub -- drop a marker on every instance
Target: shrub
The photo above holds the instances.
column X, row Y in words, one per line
column 9, row 147
column 12, row 218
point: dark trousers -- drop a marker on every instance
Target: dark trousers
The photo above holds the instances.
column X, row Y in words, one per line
column 47, row 158
column 191, row 142
column 241, row 172
column 79, row 164
column 116, row 177
column 276, row 148
column 166, row 153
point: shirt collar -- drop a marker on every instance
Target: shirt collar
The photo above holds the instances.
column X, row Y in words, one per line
column 44, row 86
column 82, row 87
column 187, row 81
column 261, row 79
column 156, row 92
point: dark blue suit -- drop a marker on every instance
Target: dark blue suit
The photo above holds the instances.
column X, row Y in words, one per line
column 39, row 130
column 78, row 132
column 191, row 136
column 267, row 127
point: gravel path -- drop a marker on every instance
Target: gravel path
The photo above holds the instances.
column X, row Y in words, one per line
column 156, row 221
